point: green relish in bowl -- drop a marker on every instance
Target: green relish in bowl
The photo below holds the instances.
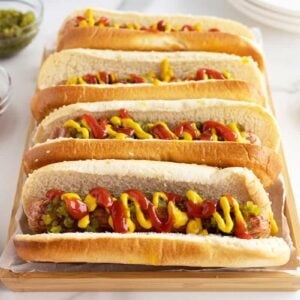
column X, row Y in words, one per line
column 13, row 23
column 18, row 25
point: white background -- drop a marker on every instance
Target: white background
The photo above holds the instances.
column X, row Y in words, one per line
column 283, row 61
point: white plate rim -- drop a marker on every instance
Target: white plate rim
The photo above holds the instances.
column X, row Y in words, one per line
column 239, row 6
column 270, row 14
column 278, row 9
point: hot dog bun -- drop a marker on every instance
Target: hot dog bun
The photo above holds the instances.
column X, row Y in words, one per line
column 149, row 248
column 253, row 117
column 264, row 162
column 78, row 62
column 46, row 100
column 233, row 38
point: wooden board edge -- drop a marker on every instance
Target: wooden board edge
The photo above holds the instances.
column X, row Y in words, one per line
column 151, row 281
column 291, row 214
column 157, row 281
column 290, row 208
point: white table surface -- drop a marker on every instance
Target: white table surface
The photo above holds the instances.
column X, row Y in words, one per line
column 283, row 60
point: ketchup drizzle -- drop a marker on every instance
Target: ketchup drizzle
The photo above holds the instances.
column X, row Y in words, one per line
column 78, row 209
column 222, row 130
column 149, row 208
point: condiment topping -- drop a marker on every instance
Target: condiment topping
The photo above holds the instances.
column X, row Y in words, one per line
column 124, row 126
column 132, row 211
column 17, row 29
column 13, row 22
column 166, row 75
column 89, row 20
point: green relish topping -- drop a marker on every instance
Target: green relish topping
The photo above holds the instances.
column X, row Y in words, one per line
column 12, row 22
column 249, row 208
column 17, row 29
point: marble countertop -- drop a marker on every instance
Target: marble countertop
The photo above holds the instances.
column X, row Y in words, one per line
column 283, row 61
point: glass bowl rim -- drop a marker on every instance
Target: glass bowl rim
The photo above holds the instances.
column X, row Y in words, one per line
column 4, row 98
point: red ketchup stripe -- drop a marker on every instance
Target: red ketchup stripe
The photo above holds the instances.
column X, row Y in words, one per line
column 205, row 210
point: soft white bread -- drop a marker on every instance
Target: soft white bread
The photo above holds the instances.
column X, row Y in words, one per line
column 252, row 117
column 153, row 249
column 120, row 175
column 233, row 37
column 78, row 62
column 46, row 100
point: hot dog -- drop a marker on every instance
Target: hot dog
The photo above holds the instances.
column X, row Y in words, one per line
column 208, row 131
column 82, row 75
column 155, row 209
column 100, row 29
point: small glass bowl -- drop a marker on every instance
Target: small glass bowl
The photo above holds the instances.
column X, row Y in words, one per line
column 12, row 45
column 5, row 89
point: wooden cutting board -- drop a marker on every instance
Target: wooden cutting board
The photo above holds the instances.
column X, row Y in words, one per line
column 212, row 280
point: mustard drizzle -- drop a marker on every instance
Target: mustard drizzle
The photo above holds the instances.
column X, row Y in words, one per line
column 90, row 21
column 140, row 133
column 224, row 223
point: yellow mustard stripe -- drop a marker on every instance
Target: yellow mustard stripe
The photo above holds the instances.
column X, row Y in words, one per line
column 157, row 196
column 198, row 27
column 72, row 124
column 235, row 129
column 110, row 222
column 131, row 225
column 137, row 26
column 180, row 217
column 83, row 23
column 114, row 134
column 168, row 28
column 72, row 80
column 194, row 197
column 91, row 202
column 85, row 124
column 89, row 16
column 70, row 196
column 139, row 213
column 81, row 80
column 154, row 26
column 194, row 226
column 84, row 222
column 140, row 133
column 186, row 136
column 130, row 26
column 227, row 75
column 214, row 135
column 166, row 71
column 273, row 224
column 116, row 121
column 237, row 213
column 226, row 224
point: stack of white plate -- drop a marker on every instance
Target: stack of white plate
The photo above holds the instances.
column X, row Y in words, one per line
column 281, row 14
